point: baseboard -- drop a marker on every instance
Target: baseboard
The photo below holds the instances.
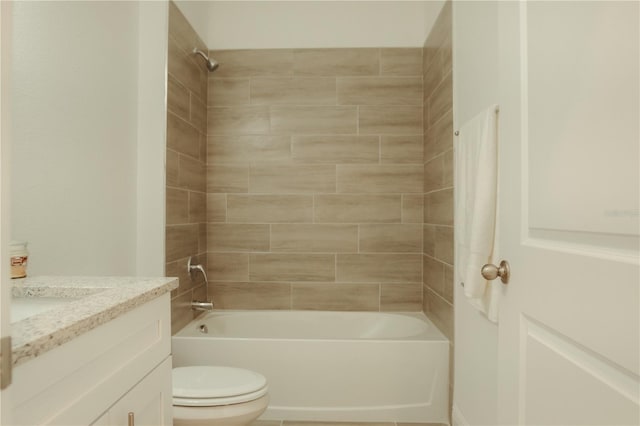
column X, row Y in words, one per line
column 457, row 418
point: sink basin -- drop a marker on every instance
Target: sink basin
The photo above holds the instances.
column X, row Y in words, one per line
column 25, row 307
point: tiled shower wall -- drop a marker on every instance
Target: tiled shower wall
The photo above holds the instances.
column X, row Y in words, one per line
column 438, row 177
column 185, row 165
column 315, row 179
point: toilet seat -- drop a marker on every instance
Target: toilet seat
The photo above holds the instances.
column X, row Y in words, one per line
column 209, row 386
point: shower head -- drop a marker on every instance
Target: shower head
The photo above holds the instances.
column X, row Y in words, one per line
column 212, row 64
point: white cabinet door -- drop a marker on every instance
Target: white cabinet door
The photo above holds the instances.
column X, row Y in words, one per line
column 149, row 402
column 569, row 333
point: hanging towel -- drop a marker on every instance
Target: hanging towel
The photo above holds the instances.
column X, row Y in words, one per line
column 475, row 203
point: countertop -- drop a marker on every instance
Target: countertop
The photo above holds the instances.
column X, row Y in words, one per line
column 101, row 299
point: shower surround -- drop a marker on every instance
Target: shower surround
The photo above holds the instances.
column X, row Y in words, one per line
column 315, row 179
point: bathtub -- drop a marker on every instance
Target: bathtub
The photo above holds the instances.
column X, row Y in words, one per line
column 330, row 366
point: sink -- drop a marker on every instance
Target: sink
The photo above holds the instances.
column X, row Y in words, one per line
column 25, row 307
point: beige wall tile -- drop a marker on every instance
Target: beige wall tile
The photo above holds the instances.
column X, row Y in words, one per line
column 232, row 237
column 203, row 148
column 390, row 120
column 227, row 179
column 269, row 208
column 433, row 274
column 401, row 297
column 401, row 61
column 178, row 269
column 432, row 78
column 254, row 295
column 339, row 62
column 314, row 238
column 379, row 178
column 291, row 267
column 248, row 149
column 439, row 137
column 441, row 99
column 177, row 98
column 447, row 169
column 293, row 91
column 401, row 149
column 202, row 238
column 198, row 117
column 197, row 207
column 395, row 238
column 445, row 53
column 183, row 68
column 440, row 312
column 335, row 297
column 191, row 174
column 292, row 179
column 216, row 207
column 433, row 174
column 384, row 268
column 181, row 313
column 177, row 206
column 429, row 240
column 228, row 267
column 448, row 283
column 182, row 136
column 238, row 120
column 228, row 91
column 253, row 63
column 379, row 91
column 181, row 241
column 358, row 208
column 336, row 149
column 412, row 208
column 180, row 29
column 173, row 168
column 444, row 244
column 314, row 120
column 438, row 207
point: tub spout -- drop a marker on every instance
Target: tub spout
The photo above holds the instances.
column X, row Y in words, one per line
column 201, row 306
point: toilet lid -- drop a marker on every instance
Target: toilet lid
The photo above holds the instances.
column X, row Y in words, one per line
column 209, row 385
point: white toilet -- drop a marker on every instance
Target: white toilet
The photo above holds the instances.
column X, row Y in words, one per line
column 210, row 396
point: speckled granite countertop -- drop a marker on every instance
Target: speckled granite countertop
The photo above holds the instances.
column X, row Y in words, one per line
column 101, row 300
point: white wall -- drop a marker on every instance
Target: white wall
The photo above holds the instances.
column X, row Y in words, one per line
column 475, row 85
column 197, row 13
column 75, row 135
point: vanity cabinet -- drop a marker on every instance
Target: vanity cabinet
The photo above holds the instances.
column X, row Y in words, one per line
column 102, row 375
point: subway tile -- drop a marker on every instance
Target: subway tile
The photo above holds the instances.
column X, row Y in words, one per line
column 412, row 208
column 228, row 266
column 390, row 120
column 182, row 137
column 192, row 174
column 433, row 274
column 177, row 98
column 293, row 91
column 401, row 61
column 251, row 295
column 228, row 91
column 198, row 117
column 401, row 149
column 438, row 207
column 439, row 137
column 379, row 178
column 336, row 62
column 358, row 208
column 238, row 120
column 235, row 237
column 429, row 240
column 335, row 297
column 253, row 63
column 314, row 238
column 441, row 99
column 181, row 66
column 379, row 91
column 292, row 179
column 269, row 208
column 384, row 268
column 444, row 244
column 221, row 179
column 177, row 206
column 433, row 174
column 172, row 168
column 440, row 312
column 447, row 168
column 248, row 149
column 197, row 207
column 314, row 119
column 181, row 241
column 448, row 283
column 336, row 149
column 291, row 267
column 401, row 297
column 216, row 207
column 394, row 238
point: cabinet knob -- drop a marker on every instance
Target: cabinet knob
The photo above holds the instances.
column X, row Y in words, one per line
column 131, row 421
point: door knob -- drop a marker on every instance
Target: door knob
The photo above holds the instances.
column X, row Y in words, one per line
column 491, row 272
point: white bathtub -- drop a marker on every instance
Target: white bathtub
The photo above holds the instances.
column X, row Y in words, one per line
column 330, row 366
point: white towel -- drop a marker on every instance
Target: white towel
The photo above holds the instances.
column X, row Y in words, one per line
column 475, row 202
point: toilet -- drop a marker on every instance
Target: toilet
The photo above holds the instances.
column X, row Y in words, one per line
column 211, row 396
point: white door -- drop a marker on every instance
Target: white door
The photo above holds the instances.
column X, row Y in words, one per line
column 569, row 219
